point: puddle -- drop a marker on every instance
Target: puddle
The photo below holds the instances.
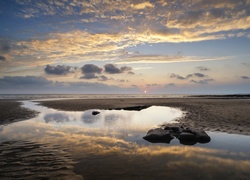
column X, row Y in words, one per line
column 103, row 145
column 108, row 120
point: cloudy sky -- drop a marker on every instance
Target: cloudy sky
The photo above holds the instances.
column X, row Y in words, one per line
column 125, row 46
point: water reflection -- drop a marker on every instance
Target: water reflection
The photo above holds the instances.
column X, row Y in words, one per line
column 110, row 146
column 56, row 117
column 108, row 154
column 89, row 118
column 115, row 120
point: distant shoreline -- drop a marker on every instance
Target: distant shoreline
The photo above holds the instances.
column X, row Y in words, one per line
column 114, row 96
column 230, row 96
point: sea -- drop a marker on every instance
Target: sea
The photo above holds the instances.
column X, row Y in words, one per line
column 88, row 96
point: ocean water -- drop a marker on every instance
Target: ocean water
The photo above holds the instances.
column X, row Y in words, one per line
column 88, row 96
column 110, row 145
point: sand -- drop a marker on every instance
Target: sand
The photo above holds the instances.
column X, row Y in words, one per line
column 231, row 115
column 11, row 111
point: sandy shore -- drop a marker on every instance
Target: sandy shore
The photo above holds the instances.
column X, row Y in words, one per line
column 231, row 115
column 11, row 111
column 210, row 114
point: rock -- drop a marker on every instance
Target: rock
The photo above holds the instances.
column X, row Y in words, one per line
column 188, row 130
column 158, row 135
column 187, row 138
column 132, row 108
column 95, row 112
column 174, row 129
column 203, row 137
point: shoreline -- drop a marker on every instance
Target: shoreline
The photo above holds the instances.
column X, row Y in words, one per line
column 230, row 115
column 11, row 111
column 210, row 114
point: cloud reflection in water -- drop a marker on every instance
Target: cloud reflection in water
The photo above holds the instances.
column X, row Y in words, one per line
column 107, row 145
column 106, row 153
column 56, row 117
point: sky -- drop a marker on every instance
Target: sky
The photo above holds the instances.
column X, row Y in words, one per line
column 125, row 46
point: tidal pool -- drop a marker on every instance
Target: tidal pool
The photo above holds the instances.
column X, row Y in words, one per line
column 109, row 145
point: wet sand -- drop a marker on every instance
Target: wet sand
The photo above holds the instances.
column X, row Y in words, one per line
column 26, row 159
column 231, row 115
column 29, row 160
column 11, row 111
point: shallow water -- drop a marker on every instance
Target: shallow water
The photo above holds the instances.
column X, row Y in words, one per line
column 110, row 146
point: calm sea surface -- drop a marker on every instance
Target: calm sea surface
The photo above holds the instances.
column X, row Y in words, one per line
column 80, row 145
column 87, row 96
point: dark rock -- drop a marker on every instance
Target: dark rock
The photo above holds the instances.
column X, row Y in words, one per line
column 174, row 129
column 203, row 137
column 133, row 108
column 95, row 112
column 158, row 135
column 188, row 130
column 186, row 136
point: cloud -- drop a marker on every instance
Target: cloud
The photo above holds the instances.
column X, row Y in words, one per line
column 152, row 85
column 57, row 70
column 103, row 78
column 36, row 84
column 90, row 70
column 177, row 76
column 4, row 46
column 131, row 59
column 245, row 77
column 23, row 81
column 200, row 75
column 203, row 81
column 170, row 85
column 203, row 68
column 124, row 24
column 2, row 58
column 122, row 80
column 113, row 69
column 202, row 18
column 187, row 21
column 142, row 5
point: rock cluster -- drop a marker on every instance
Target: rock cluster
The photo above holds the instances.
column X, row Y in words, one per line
column 186, row 136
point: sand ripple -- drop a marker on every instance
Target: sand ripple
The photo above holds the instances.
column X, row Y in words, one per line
column 27, row 160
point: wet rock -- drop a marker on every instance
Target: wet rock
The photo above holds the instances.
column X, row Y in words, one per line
column 203, row 137
column 174, row 129
column 95, row 112
column 158, row 135
column 186, row 136
column 133, row 108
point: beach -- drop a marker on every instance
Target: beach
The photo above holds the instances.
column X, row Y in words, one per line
column 11, row 111
column 210, row 114
column 71, row 143
column 230, row 115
